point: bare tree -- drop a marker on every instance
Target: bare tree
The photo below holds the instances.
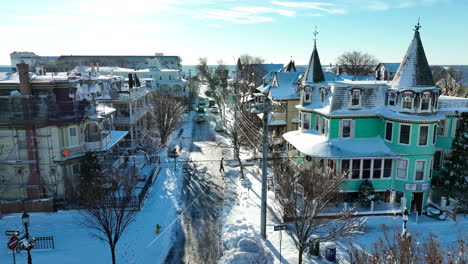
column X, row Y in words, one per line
column 357, row 63
column 448, row 80
column 150, row 141
column 166, row 111
column 395, row 249
column 249, row 59
column 108, row 217
column 304, row 194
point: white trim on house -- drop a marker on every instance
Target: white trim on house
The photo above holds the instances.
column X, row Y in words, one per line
column 306, row 116
column 427, row 136
column 70, row 144
column 416, row 167
column 409, row 134
column 454, row 127
column 398, row 169
column 341, row 127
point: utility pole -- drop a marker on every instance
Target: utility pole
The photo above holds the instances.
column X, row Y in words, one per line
column 266, row 107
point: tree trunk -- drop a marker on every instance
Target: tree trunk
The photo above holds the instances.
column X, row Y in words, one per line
column 299, row 261
column 112, row 248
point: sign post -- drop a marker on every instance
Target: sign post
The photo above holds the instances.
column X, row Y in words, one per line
column 12, row 244
column 279, row 228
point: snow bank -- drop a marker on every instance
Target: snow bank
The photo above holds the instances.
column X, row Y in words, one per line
column 243, row 245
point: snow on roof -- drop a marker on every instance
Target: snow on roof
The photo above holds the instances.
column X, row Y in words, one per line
column 389, row 67
column 314, row 72
column 452, row 104
column 283, row 86
column 320, row 146
column 116, row 137
column 414, row 70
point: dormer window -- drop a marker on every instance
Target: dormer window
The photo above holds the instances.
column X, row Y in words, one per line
column 307, row 94
column 407, row 102
column 425, row 101
column 392, row 98
column 323, row 94
column 355, row 97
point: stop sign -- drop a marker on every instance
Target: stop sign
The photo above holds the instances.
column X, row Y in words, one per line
column 13, row 242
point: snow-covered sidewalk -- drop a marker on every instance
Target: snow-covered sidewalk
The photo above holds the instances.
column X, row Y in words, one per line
column 139, row 243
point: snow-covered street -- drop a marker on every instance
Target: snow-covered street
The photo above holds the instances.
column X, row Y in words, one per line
column 202, row 196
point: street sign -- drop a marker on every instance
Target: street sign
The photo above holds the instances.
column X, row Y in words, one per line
column 281, row 227
column 13, row 242
column 12, row 233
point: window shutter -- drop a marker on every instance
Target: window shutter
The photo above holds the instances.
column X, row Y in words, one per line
column 352, row 128
column 340, row 132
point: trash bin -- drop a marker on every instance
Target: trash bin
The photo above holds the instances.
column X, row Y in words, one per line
column 330, row 251
column 314, row 246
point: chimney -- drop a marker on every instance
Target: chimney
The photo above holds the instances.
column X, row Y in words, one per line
column 25, row 84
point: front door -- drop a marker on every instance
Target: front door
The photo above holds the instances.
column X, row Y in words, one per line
column 417, row 202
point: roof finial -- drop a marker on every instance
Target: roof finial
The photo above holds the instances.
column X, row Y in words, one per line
column 418, row 26
column 315, row 34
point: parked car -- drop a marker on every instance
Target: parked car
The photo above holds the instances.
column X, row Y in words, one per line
column 219, row 127
column 214, row 110
column 201, row 118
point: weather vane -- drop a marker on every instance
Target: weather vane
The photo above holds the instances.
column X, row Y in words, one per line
column 418, row 26
column 315, row 34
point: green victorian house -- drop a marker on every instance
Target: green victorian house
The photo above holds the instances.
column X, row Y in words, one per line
column 395, row 134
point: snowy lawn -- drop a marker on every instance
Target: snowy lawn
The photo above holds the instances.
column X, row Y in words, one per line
column 139, row 244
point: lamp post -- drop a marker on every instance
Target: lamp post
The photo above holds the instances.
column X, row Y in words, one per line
column 25, row 219
column 405, row 215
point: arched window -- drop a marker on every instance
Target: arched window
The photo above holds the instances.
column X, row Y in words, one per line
column 323, row 94
column 425, row 101
column 407, row 100
column 355, row 97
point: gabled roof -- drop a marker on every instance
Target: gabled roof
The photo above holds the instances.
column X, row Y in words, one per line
column 314, row 72
column 283, row 86
column 414, row 70
column 389, row 67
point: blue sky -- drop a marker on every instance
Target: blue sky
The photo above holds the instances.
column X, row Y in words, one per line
column 224, row 29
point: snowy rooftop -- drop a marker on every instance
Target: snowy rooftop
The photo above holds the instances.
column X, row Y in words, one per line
column 320, row 146
column 414, row 70
column 282, row 86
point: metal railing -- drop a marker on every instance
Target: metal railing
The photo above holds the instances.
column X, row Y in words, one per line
column 42, row 243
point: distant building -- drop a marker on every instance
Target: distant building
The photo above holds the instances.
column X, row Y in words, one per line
column 386, row 71
column 68, row 62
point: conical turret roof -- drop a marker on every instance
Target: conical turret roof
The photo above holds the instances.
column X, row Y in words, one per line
column 414, row 70
column 314, row 72
column 291, row 67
